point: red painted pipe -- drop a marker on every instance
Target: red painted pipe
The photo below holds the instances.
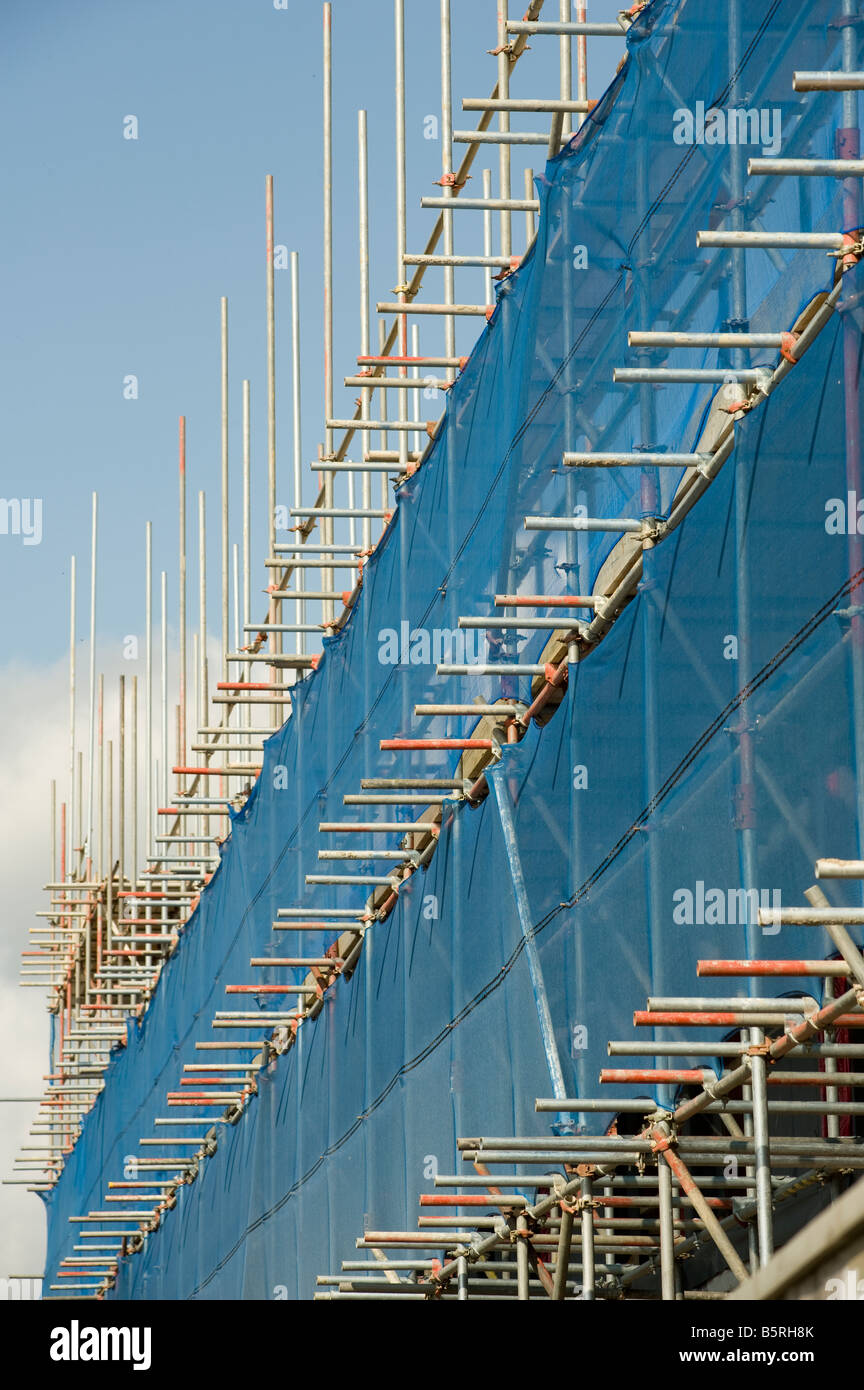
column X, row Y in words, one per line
column 211, row 771
column 640, row 1074
column 433, row 743
column 259, row 989
column 476, row 1199
column 554, row 681
column 206, row 1081
column 729, row 1020
column 543, row 601
column 764, row 967
column 250, row 685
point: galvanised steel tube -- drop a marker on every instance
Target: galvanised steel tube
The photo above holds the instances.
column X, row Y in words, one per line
column 828, row 81
column 840, row 868
column 489, row 261
column 389, row 383
column 508, row 104
column 577, row 28
column 587, row 1220
column 695, row 374
column 447, row 178
column 667, row 1231
column 181, row 751
column 503, row 205
column 224, row 461
column 451, row 310
column 826, row 168
column 586, row 523
column 511, row 137
column 636, row 338
column 401, row 203
column 810, row 916
column 546, row 601
column 793, row 1005
column 493, row 624
column 817, row 241
column 562, row 1256
column 625, row 460
column 762, row 1148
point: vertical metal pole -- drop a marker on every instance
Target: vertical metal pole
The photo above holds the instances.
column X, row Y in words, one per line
column 53, row 855
column 328, row 226
column 562, row 1256
column 401, row 212
column 225, row 549
column 196, row 678
column 275, row 607
column 246, row 715
column 148, row 681
column 70, row 817
column 447, row 179
column 121, row 787
column 109, row 893
column 100, row 863
column 163, row 788
column 415, row 372
column 235, row 569
column 581, row 54
column 297, row 431
column 271, row 372
column 587, row 1208
column 503, row 91
column 247, row 505
column 488, row 285
column 565, row 67
column 761, row 1150
column 88, row 838
column 382, row 343
column 326, row 525
column 181, row 751
column 80, row 835
column 522, row 1262
column 100, row 869
column 134, row 779
column 202, row 611
column 667, row 1233
column 529, row 215
column 363, row 246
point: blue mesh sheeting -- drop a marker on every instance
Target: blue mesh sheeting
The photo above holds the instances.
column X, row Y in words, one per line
column 632, row 795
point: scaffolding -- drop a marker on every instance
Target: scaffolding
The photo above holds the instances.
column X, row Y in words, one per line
column 623, row 1215
column 113, row 922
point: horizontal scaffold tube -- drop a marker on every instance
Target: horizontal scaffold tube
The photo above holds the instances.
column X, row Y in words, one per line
column 828, row 81
column 638, row 460
column 820, row 168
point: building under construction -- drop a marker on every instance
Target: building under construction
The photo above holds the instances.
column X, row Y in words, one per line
column 547, row 752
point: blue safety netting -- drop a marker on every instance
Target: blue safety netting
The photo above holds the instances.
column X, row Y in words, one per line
column 637, row 821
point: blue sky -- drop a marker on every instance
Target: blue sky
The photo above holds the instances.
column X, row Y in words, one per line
column 117, row 251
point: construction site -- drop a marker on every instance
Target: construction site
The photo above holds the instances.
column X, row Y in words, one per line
column 476, row 912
